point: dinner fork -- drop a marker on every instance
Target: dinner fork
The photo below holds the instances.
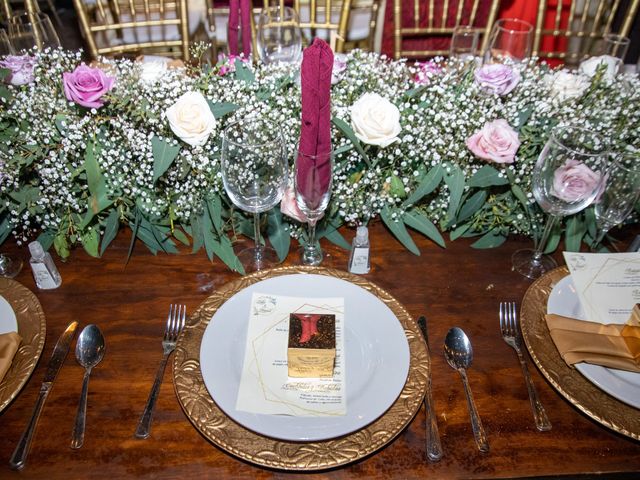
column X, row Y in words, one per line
column 510, row 328
column 175, row 323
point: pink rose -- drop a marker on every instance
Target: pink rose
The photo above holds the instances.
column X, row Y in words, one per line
column 497, row 78
column 574, row 181
column 227, row 63
column 289, row 206
column 86, row 86
column 426, row 71
column 21, row 67
column 496, row 142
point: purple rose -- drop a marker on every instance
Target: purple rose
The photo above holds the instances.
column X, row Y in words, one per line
column 497, row 78
column 86, row 86
column 496, row 142
column 426, row 71
column 21, row 67
column 574, row 181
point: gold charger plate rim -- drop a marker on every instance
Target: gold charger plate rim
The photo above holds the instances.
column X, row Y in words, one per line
column 32, row 328
column 245, row 444
column 569, row 382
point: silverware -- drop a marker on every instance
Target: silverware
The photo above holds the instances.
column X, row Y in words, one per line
column 434, row 447
column 175, row 323
column 19, row 457
column 89, row 352
column 510, row 328
column 459, row 355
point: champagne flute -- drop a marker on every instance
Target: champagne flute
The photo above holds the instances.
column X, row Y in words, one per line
column 27, row 31
column 566, row 178
column 279, row 35
column 313, row 179
column 511, row 41
column 619, row 195
column 254, row 173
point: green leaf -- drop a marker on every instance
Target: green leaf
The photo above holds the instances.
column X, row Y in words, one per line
column 350, row 134
column 455, row 181
column 164, row 153
column 90, row 239
column 98, row 200
column 244, row 73
column 179, row 235
column 427, row 185
column 278, row 235
column 397, row 187
column 224, row 250
column 520, row 195
column 196, row 232
column 399, row 231
column 459, row 231
column 421, row 223
column 523, row 117
column 110, row 230
column 221, row 109
column 575, row 231
column 472, row 205
column 490, row 239
column 134, row 233
column 487, row 176
column 4, row 73
column 553, row 241
column 590, row 221
column 61, row 245
column 214, row 207
column 332, row 234
column 46, row 239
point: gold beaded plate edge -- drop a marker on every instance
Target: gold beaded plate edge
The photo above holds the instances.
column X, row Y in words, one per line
column 32, row 328
column 237, row 440
column 569, row 382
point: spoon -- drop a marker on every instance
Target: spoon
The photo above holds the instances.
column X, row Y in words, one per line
column 89, row 352
column 459, row 355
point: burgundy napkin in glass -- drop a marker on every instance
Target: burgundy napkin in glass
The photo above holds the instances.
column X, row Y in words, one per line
column 234, row 26
column 314, row 174
column 245, row 23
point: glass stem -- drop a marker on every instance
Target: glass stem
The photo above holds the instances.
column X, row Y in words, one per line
column 311, row 241
column 537, row 255
column 600, row 237
column 256, row 232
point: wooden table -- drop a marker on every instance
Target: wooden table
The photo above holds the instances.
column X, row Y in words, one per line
column 457, row 286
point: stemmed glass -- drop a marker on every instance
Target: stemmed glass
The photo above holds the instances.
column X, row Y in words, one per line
column 9, row 266
column 254, row 173
column 511, row 40
column 279, row 36
column 313, row 179
column 27, row 31
column 464, row 43
column 566, row 178
column 620, row 194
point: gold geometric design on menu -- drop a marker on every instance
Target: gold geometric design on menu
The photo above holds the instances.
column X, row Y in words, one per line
column 237, row 440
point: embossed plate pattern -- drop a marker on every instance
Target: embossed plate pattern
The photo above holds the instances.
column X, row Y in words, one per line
column 593, row 402
column 211, row 421
column 32, row 328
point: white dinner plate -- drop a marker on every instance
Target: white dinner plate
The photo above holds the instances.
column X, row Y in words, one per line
column 376, row 357
column 8, row 322
column 623, row 385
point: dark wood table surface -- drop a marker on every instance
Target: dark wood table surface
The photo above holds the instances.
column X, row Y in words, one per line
column 129, row 302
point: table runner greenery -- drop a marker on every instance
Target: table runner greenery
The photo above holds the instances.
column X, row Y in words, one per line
column 428, row 148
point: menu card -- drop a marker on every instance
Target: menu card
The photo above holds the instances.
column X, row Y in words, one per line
column 265, row 386
column 608, row 285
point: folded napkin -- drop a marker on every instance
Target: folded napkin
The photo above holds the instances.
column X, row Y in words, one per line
column 613, row 345
column 245, row 23
column 9, row 343
column 234, row 27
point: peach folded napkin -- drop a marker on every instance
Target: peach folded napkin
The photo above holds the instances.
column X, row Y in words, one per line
column 613, row 345
column 9, row 343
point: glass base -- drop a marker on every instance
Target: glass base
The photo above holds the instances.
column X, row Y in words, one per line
column 311, row 256
column 255, row 259
column 9, row 267
column 525, row 263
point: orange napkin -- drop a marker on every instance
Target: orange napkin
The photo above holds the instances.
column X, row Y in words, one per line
column 612, row 345
column 9, row 343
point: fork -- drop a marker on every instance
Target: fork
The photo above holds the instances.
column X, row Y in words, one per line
column 510, row 328
column 175, row 323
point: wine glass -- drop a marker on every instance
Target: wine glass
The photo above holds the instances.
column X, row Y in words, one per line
column 464, row 43
column 511, row 41
column 32, row 30
column 5, row 45
column 312, row 179
column 566, row 178
column 615, row 46
column 254, row 173
column 279, row 36
column 9, row 266
column 620, row 193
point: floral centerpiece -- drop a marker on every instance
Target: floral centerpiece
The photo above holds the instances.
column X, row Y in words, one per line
column 426, row 147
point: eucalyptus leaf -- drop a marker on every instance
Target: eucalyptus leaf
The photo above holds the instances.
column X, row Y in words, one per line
column 487, row 176
column 278, row 235
column 110, row 229
column 134, row 233
column 164, row 153
column 332, row 234
column 421, row 223
column 224, row 250
column 459, row 231
column 46, row 239
column 243, row 72
column 90, row 239
column 399, row 231
column 98, row 200
column 221, row 109
column 427, row 185
column 350, row 134
column 454, row 179
column 472, row 205
column 574, row 232
column 490, row 239
column 179, row 235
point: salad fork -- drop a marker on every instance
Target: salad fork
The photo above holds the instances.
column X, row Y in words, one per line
column 175, row 323
column 510, row 328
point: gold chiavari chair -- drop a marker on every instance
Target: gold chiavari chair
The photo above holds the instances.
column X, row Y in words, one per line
column 30, row 6
column 577, row 24
column 116, row 27
column 419, row 22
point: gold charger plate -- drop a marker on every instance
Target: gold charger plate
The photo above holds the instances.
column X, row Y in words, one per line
column 218, row 428
column 32, row 328
column 583, row 394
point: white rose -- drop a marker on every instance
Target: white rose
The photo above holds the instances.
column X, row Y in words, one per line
column 152, row 71
column 375, row 120
column 565, row 85
column 590, row 65
column 191, row 119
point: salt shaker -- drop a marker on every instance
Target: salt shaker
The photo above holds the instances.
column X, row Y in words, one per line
column 359, row 258
column 44, row 270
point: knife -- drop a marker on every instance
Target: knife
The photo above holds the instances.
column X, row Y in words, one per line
column 19, row 457
column 434, row 448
